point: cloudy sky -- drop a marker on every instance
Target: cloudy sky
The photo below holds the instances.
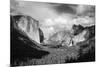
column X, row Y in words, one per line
column 52, row 16
column 43, row 11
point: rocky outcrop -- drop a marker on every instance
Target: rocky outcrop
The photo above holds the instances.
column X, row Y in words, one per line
column 22, row 47
column 28, row 26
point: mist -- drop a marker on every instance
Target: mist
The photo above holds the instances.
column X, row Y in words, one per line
column 49, row 14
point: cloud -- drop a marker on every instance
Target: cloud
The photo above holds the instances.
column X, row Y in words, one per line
column 37, row 10
column 43, row 11
column 65, row 8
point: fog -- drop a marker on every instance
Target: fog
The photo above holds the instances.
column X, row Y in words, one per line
column 52, row 17
column 42, row 11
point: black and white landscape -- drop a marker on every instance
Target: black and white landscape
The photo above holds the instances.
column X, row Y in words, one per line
column 51, row 33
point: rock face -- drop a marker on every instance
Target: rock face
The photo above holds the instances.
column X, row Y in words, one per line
column 28, row 26
column 77, row 29
column 41, row 35
column 60, row 38
column 21, row 45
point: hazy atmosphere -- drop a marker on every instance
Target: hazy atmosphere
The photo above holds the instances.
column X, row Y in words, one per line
column 51, row 33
